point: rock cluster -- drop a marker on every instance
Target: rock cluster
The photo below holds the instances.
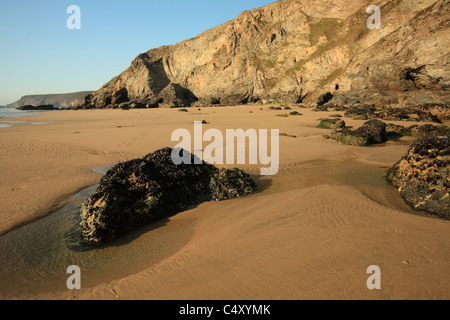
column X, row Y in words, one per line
column 142, row 191
column 37, row 108
column 437, row 113
column 417, row 131
column 422, row 176
column 372, row 132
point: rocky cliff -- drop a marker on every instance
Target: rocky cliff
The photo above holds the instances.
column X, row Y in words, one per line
column 295, row 51
column 65, row 100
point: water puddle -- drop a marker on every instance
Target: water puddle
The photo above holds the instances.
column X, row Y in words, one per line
column 34, row 258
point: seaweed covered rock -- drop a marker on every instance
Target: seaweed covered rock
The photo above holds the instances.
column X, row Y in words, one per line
column 423, row 175
column 364, row 110
column 428, row 129
column 142, row 191
column 372, row 132
column 417, row 131
column 394, row 130
column 332, row 124
column 393, row 114
column 375, row 130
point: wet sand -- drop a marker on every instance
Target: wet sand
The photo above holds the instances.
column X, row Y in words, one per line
column 310, row 233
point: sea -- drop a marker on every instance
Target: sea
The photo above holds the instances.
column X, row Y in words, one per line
column 12, row 113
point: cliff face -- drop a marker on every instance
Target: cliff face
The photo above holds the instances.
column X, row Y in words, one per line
column 294, row 51
column 57, row 100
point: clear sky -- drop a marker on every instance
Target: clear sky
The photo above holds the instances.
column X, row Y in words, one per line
column 40, row 55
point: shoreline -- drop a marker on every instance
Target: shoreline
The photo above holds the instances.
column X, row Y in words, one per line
column 50, row 211
column 60, row 203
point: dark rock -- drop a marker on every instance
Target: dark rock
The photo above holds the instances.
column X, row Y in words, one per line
column 418, row 131
column 393, row 114
column 375, row 130
column 332, row 124
column 440, row 111
column 142, row 191
column 428, row 117
column 372, row 132
column 119, row 96
column 396, row 130
column 323, row 99
column 295, row 113
column 349, row 137
column 422, row 175
column 364, row 110
column 428, row 129
column 37, row 108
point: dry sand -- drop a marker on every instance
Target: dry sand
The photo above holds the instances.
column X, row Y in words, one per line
column 310, row 233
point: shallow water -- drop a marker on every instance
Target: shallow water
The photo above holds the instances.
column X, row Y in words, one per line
column 34, row 258
column 12, row 113
column 9, row 113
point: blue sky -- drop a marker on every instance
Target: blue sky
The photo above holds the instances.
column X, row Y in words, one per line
column 40, row 55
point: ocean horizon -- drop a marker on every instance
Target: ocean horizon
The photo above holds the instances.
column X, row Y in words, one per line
column 12, row 113
column 8, row 112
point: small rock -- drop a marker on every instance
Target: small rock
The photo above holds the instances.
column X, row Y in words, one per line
column 372, row 132
column 332, row 124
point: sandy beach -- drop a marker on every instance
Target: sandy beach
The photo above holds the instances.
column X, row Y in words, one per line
column 310, row 232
